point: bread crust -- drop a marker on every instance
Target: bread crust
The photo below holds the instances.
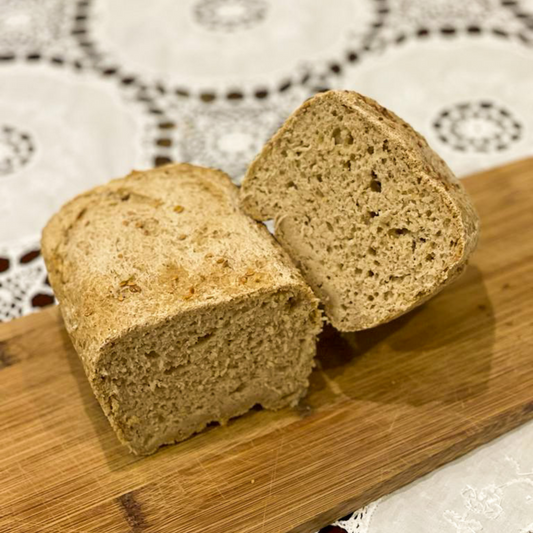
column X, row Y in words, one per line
column 129, row 256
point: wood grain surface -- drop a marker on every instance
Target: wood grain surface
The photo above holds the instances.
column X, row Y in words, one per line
column 385, row 407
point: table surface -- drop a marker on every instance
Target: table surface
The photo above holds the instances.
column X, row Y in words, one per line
column 90, row 89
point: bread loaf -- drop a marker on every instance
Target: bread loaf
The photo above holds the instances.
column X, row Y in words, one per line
column 373, row 217
column 182, row 309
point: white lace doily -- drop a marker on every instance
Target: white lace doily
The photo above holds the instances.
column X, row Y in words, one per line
column 90, row 89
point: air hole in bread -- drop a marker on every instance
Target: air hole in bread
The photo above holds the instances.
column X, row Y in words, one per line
column 204, row 338
column 397, row 232
column 375, row 184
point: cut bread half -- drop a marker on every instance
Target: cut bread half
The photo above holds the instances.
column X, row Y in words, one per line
column 183, row 310
column 373, row 217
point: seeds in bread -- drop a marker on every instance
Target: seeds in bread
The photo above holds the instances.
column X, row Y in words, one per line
column 183, row 310
column 373, row 217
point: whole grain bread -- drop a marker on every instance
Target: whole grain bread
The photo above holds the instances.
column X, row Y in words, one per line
column 370, row 213
column 183, row 310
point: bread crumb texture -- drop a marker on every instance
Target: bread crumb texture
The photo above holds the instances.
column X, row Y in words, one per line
column 183, row 310
column 373, row 217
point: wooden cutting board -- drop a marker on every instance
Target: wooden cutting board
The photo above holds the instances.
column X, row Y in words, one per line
column 385, row 407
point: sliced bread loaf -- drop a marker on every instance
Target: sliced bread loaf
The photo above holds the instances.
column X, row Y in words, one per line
column 183, row 310
column 373, row 217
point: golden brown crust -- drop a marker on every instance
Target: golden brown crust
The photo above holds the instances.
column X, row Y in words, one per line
column 183, row 310
column 129, row 253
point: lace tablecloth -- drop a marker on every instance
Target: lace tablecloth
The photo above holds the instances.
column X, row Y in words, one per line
column 91, row 89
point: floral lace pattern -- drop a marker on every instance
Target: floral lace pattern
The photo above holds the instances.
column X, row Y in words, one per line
column 209, row 81
column 24, row 285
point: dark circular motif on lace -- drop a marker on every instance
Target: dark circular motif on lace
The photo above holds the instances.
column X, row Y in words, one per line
column 30, row 256
column 4, row 264
column 16, row 149
column 229, row 15
column 42, row 300
column 477, row 127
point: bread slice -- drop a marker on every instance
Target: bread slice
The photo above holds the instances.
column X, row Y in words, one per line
column 183, row 310
column 373, row 217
